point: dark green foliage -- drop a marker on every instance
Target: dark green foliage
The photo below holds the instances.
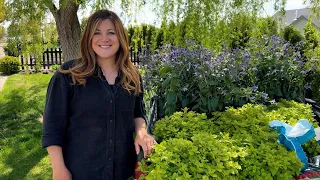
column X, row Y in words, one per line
column 311, row 35
column 268, row 26
column 241, row 25
column 9, row 65
column 159, row 38
column 313, row 79
column 292, row 35
column 141, row 36
column 311, row 50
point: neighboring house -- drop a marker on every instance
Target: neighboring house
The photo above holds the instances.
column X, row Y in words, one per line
column 297, row 18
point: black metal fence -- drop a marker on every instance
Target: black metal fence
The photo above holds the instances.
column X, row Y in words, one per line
column 54, row 57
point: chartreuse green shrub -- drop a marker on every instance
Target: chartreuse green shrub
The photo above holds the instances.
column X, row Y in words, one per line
column 249, row 121
column 248, row 128
column 269, row 161
column 205, row 156
column 266, row 158
column 182, row 125
column 291, row 112
column 254, row 119
column 9, row 65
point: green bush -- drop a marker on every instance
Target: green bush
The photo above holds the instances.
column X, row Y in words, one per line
column 9, row 65
column 291, row 112
column 254, row 120
column 311, row 35
column 248, row 121
column 313, row 77
column 266, row 158
column 269, row 161
column 182, row 125
column 246, row 127
column 55, row 67
column 292, row 35
column 206, row 156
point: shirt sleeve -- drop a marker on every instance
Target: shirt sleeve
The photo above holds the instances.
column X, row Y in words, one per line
column 55, row 117
column 139, row 108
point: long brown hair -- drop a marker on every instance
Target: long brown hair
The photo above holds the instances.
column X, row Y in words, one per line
column 87, row 64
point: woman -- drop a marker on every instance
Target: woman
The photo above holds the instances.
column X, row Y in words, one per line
column 94, row 104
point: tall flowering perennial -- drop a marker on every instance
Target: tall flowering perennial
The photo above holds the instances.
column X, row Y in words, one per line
column 194, row 77
column 280, row 69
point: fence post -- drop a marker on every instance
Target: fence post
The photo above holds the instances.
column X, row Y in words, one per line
column 31, row 61
column 48, row 58
column 43, row 60
column 51, row 52
column 22, row 62
column 60, row 52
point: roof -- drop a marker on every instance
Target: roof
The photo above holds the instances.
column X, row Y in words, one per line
column 293, row 15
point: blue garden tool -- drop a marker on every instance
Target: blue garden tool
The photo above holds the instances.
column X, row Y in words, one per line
column 293, row 137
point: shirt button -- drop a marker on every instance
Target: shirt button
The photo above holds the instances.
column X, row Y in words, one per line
column 110, row 140
column 111, row 101
column 110, row 159
column 111, row 120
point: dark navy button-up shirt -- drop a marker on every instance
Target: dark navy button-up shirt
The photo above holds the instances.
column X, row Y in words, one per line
column 93, row 124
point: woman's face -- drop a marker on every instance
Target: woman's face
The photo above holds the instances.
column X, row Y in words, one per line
column 105, row 42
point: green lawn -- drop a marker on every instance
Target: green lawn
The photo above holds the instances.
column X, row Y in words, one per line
column 21, row 105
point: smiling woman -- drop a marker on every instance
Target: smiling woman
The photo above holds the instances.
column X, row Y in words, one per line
column 105, row 42
column 94, row 105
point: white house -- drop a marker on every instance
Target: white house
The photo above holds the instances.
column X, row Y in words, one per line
column 297, row 18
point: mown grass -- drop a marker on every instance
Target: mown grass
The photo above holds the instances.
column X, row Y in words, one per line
column 21, row 105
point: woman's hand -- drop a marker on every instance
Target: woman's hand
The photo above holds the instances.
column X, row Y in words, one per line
column 144, row 140
column 61, row 173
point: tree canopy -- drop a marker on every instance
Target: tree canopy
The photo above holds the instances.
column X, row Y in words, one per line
column 204, row 20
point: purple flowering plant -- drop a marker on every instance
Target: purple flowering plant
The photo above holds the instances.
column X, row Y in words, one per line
column 195, row 77
column 280, row 68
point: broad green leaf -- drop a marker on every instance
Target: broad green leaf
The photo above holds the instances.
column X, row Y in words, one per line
column 164, row 71
column 171, row 98
column 214, row 102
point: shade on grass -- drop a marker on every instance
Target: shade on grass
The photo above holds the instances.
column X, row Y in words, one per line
column 21, row 105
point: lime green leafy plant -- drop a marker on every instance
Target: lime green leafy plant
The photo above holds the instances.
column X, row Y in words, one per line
column 206, row 156
column 182, row 125
column 246, row 127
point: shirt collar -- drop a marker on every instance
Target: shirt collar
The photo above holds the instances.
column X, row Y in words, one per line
column 98, row 73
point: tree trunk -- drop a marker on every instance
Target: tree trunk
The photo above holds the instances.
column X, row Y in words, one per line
column 69, row 31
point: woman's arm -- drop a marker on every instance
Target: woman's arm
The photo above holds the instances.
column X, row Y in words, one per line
column 56, row 157
column 59, row 170
column 143, row 139
column 55, row 119
column 140, row 124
